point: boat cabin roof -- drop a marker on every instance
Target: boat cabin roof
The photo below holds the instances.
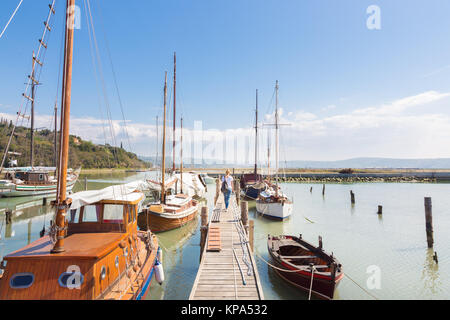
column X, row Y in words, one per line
column 80, row 245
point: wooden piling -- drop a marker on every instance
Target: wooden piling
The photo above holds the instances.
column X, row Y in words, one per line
column 251, row 234
column 380, row 210
column 237, row 190
column 429, row 221
column 217, row 190
column 85, row 183
column 8, row 214
column 203, row 229
column 244, row 215
column 323, row 190
column 310, row 190
column 352, row 197
column 44, row 201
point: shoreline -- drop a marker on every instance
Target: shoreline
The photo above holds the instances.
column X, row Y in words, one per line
column 361, row 175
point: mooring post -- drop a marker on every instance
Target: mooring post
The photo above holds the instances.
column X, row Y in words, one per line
column 8, row 214
column 380, row 210
column 85, row 183
column 203, row 230
column 44, row 201
column 217, row 190
column 429, row 221
column 323, row 190
column 244, row 215
column 310, row 190
column 251, row 235
column 352, row 196
column 237, row 191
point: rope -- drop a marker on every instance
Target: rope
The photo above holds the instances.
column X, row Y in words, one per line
column 275, row 267
column 361, row 287
column 312, row 278
column 10, row 19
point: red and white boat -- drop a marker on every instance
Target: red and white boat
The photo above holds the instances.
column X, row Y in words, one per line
column 305, row 266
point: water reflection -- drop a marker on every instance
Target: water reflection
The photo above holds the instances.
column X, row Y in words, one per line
column 430, row 275
column 395, row 242
column 28, row 217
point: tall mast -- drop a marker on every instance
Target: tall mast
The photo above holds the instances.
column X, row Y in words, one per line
column 276, row 136
column 174, row 106
column 268, row 155
column 55, row 141
column 61, row 202
column 256, row 135
column 181, row 155
column 163, row 165
column 157, row 141
column 33, row 88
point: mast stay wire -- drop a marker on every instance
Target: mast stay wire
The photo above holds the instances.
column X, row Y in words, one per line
column 97, row 81
column 105, row 96
column 10, row 19
column 99, row 75
column 21, row 106
column 115, row 80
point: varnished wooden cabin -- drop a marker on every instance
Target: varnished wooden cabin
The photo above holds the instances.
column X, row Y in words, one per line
column 105, row 256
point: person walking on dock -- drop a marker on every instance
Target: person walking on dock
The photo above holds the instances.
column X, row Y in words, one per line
column 227, row 187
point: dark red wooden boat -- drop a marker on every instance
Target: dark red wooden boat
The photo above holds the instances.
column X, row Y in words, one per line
column 292, row 253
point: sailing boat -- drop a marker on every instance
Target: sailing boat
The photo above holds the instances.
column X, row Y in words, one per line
column 272, row 203
column 252, row 184
column 171, row 211
column 98, row 250
column 33, row 181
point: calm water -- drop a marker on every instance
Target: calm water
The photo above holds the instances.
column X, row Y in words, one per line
column 395, row 243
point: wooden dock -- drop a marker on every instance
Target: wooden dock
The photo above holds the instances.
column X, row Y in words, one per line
column 227, row 269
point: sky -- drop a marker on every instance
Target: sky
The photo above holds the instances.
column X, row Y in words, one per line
column 345, row 90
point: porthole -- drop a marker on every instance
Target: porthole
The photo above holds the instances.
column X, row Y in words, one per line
column 103, row 273
column 70, row 280
column 116, row 261
column 21, row 280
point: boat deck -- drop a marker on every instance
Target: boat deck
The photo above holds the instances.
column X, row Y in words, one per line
column 229, row 273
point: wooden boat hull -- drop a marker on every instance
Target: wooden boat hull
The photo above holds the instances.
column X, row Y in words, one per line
column 323, row 286
column 132, row 283
column 160, row 222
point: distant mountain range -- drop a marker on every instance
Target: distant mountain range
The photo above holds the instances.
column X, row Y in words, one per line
column 358, row 163
column 362, row 163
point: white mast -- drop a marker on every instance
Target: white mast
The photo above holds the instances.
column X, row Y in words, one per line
column 276, row 136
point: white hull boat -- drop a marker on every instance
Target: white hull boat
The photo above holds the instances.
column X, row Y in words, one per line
column 279, row 210
column 48, row 185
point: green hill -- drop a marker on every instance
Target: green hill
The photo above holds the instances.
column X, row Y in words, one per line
column 82, row 153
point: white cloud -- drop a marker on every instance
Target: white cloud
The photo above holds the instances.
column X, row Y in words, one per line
column 411, row 127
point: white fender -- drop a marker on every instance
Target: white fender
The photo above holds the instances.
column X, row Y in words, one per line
column 159, row 272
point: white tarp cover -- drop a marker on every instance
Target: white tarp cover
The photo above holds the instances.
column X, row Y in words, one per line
column 123, row 192
column 191, row 184
column 154, row 185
